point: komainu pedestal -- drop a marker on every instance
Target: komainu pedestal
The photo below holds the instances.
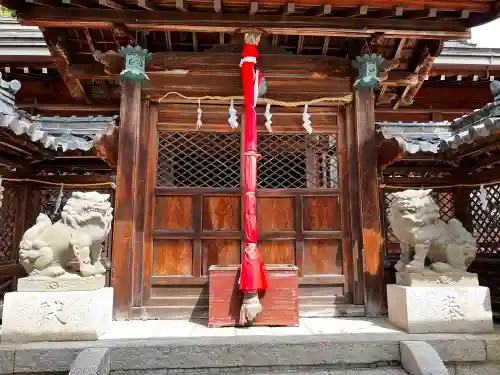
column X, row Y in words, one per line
column 434, row 293
column 440, row 308
column 54, row 303
column 57, row 316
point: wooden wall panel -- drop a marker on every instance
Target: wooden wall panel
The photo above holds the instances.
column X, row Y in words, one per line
column 174, row 212
column 277, row 252
column 323, row 257
column 220, row 252
column 275, row 214
column 322, row 213
column 221, row 213
column 172, row 257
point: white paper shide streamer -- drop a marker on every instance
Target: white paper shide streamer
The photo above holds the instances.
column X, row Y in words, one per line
column 59, row 200
column 268, row 116
column 483, row 197
column 306, row 119
column 1, row 192
column 200, row 112
column 233, row 120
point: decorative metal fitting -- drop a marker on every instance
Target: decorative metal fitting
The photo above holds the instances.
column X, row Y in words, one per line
column 367, row 66
column 135, row 63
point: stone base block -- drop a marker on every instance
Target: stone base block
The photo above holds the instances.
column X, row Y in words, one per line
column 56, row 316
column 64, row 283
column 437, row 279
column 440, row 309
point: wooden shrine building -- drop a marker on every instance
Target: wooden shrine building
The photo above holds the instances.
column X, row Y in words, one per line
column 178, row 198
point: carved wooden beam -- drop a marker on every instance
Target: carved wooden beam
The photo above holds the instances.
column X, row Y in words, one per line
column 106, row 147
column 396, row 56
column 389, row 152
column 62, row 62
column 424, row 58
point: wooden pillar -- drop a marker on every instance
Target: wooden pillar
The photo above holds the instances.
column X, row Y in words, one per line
column 358, row 295
column 141, row 185
column 369, row 202
column 125, row 200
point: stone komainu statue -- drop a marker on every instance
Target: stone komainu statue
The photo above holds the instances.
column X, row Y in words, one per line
column 46, row 248
column 414, row 218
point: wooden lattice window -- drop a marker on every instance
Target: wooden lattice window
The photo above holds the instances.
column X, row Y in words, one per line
column 297, row 161
column 8, row 214
column 486, row 222
column 446, row 211
column 198, row 160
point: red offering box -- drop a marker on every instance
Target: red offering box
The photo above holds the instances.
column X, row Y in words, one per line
column 280, row 302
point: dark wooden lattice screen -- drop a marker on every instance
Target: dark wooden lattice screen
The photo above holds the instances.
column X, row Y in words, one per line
column 213, row 160
column 486, row 222
column 198, row 160
column 8, row 213
column 446, row 211
column 297, row 161
column 8, row 251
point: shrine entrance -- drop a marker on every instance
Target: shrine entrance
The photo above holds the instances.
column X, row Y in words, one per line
column 194, row 216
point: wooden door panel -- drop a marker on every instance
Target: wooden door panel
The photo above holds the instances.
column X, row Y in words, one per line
column 173, row 212
column 275, row 214
column 277, row 252
column 322, row 213
column 172, row 258
column 221, row 213
column 323, row 257
column 220, row 252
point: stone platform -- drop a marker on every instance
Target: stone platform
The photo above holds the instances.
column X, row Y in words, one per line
column 336, row 346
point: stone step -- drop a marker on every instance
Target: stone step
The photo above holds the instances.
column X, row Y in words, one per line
column 348, row 354
column 281, row 371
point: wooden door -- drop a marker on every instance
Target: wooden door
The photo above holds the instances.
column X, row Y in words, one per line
column 195, row 209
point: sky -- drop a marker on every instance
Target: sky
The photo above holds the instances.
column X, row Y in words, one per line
column 487, row 36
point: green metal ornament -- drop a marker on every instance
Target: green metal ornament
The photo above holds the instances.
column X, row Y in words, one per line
column 367, row 66
column 135, row 63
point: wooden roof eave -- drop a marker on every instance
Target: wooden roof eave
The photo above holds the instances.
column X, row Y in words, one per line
column 214, row 22
column 470, row 13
